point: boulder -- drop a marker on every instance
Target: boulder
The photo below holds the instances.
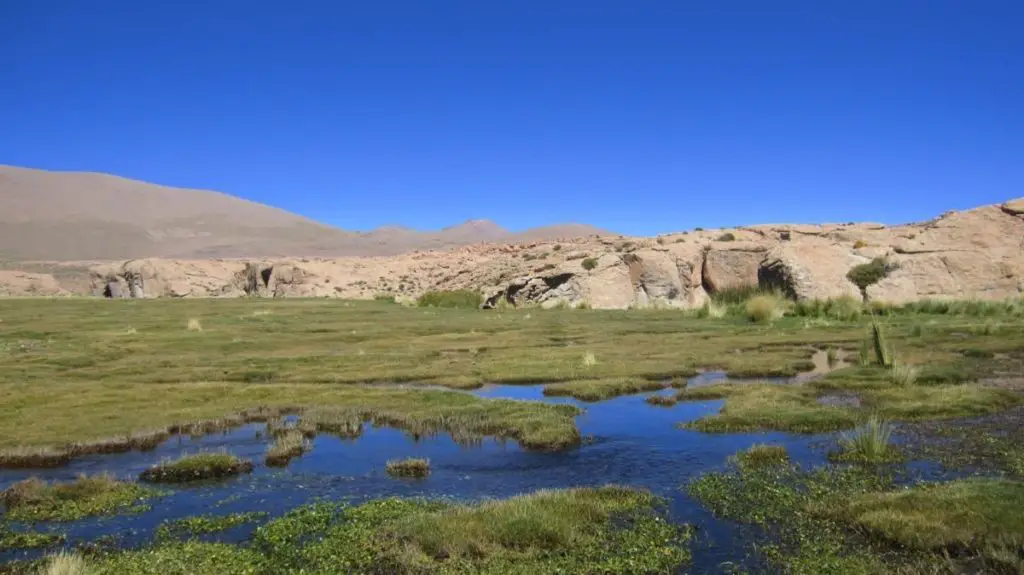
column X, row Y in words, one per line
column 732, row 265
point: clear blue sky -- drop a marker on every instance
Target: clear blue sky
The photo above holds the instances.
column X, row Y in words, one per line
column 639, row 116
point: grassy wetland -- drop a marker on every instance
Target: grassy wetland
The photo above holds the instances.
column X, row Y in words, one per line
column 835, row 401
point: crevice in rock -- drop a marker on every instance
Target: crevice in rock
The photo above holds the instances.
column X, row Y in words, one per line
column 557, row 280
column 265, row 275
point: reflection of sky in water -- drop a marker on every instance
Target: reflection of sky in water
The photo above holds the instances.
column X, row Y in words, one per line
column 627, row 442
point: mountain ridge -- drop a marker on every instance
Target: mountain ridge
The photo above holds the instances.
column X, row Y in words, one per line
column 75, row 215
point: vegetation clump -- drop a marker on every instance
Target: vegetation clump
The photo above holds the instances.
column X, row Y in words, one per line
column 410, row 467
column 86, row 496
column 286, row 447
column 202, row 524
column 462, row 299
column 197, row 467
column 871, row 444
column 601, row 389
column 762, row 455
column 727, row 237
column 611, row 530
column 662, row 400
column 589, row 263
column 765, row 308
column 11, row 539
column 865, row 275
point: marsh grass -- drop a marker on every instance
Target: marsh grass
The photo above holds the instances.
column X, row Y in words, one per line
column 462, row 299
column 23, row 539
column 410, row 467
column 589, row 360
column 762, row 455
column 662, row 400
column 287, row 446
column 36, row 500
column 765, row 308
column 609, row 530
column 33, row 457
column 65, row 563
column 202, row 524
column 601, row 389
column 338, row 422
column 79, row 382
column 904, row 374
column 197, row 467
column 973, row 517
column 870, row 443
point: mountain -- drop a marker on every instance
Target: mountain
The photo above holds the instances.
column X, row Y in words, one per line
column 66, row 216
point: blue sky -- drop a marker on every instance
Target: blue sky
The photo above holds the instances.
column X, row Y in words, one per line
column 642, row 117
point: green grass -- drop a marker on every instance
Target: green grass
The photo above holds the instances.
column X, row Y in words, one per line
column 854, row 520
column 197, row 467
column 601, row 389
column 589, row 263
column 980, row 515
column 86, row 496
column 410, row 467
column 201, row 524
column 765, row 308
column 465, row 299
column 756, row 407
column 82, row 382
column 762, row 455
column 604, row 530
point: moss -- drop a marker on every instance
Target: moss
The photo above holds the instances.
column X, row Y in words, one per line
column 86, row 496
column 197, row 467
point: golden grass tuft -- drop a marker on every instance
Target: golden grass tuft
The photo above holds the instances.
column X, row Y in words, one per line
column 904, row 374
column 589, row 359
column 65, row 563
column 286, row 447
column 194, row 325
column 410, row 467
column 765, row 308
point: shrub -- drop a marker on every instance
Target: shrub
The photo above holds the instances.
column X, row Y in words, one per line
column 859, row 244
column 712, row 310
column 384, row 297
column 842, row 308
column 765, row 308
column 698, row 229
column 864, row 275
column 411, row 467
column 589, row 263
column 727, row 237
column 556, row 247
column 467, row 299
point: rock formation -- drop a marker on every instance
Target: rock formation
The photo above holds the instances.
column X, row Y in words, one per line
column 976, row 253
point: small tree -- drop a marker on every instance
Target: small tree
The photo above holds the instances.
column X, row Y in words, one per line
column 868, row 274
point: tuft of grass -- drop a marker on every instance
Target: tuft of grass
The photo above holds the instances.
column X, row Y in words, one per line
column 859, row 244
column 868, row 444
column 762, row 455
column 765, row 308
column 904, row 374
column 410, row 467
column 287, row 446
column 727, row 237
column 197, row 467
column 712, row 310
column 589, row 359
column 662, row 400
column 736, row 294
column 841, row 308
column 86, row 496
column 194, row 325
column 462, row 299
column 589, row 263
column 65, row 563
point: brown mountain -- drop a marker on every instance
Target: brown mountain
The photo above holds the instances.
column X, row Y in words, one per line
column 63, row 216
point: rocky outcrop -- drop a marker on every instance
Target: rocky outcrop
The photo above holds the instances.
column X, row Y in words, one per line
column 970, row 254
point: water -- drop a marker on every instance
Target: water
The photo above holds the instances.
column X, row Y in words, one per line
column 627, row 441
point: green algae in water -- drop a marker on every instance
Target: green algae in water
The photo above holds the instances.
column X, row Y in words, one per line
column 201, row 524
